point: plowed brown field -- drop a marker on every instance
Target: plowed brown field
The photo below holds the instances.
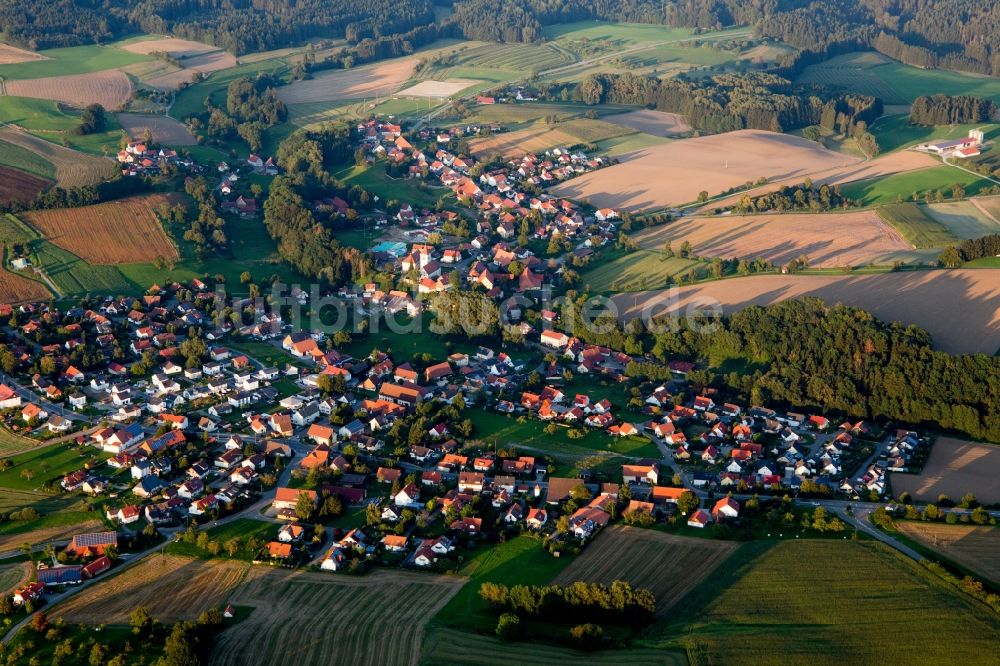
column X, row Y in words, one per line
column 111, row 89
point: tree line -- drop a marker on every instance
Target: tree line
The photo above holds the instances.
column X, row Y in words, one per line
column 87, row 195
column 795, row 197
column 946, row 110
column 618, row 602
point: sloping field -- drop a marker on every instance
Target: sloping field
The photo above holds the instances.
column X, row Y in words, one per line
column 976, row 548
column 636, row 271
column 990, row 206
column 834, row 239
column 111, row 89
column 173, row 588
column 73, row 168
column 210, row 62
column 11, row 542
column 171, row 80
column 960, row 308
column 377, row 80
column 15, row 288
column 11, row 55
column 668, row 566
column 901, row 161
column 172, row 46
column 316, row 618
column 16, row 185
column 125, row 231
column 450, row 646
column 764, row 611
column 439, row 89
column 540, row 137
column 657, row 123
column 11, row 576
column 674, row 173
column 955, row 467
column 967, row 219
column 916, row 225
column 166, row 131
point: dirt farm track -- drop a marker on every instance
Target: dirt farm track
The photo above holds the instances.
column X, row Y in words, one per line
column 960, row 308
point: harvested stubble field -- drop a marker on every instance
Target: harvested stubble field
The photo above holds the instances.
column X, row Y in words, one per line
column 172, row 46
column 376, row 619
column 172, row 588
column 657, row 123
column 16, row 185
column 11, row 55
column 960, row 308
column 73, row 168
column 125, row 231
column 165, row 130
column 954, row 468
column 764, row 610
column 973, row 547
column 835, row 239
column 973, row 218
column 377, row 80
column 902, row 161
column 439, row 89
column 450, row 646
column 674, row 173
column 111, row 89
column 171, row 80
column 210, row 62
column 990, row 206
column 667, row 565
column 539, row 138
column 16, row 288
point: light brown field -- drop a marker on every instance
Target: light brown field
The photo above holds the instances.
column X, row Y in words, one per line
column 668, row 566
column 657, row 123
column 172, row 80
column 16, row 288
column 172, row 46
column 210, row 62
column 965, row 219
column 111, row 89
column 11, row 542
column 11, row 55
column 73, row 168
column 377, row 80
column 989, row 205
column 960, row 308
column 172, row 588
column 11, row 575
column 889, row 164
column 166, row 131
column 540, row 137
column 833, row 239
column 439, row 89
column 125, row 231
column 955, row 467
column 674, row 173
column 972, row 546
column 318, row 618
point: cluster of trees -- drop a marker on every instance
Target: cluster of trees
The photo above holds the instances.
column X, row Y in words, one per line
column 795, row 197
column 969, row 250
column 945, row 110
column 92, row 120
column 74, row 197
column 252, row 106
column 207, row 231
column 471, row 313
column 581, row 601
column 726, row 102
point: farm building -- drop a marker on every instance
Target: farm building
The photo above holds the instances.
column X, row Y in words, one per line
column 966, row 147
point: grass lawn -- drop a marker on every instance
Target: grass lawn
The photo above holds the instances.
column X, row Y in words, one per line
column 50, row 463
column 11, row 442
column 264, row 352
column 241, row 528
column 888, row 190
column 519, row 561
column 916, row 226
column 72, row 60
column 404, row 190
column 411, row 337
column 616, row 271
column 46, row 120
column 25, row 160
column 751, row 610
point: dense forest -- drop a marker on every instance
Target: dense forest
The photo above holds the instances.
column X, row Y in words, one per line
column 726, row 102
column 948, row 34
column 836, row 359
column 945, row 110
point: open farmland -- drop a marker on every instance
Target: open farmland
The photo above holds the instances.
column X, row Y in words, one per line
column 71, row 60
column 111, row 89
column 210, row 62
column 967, row 219
column 669, row 566
column 657, row 123
column 540, row 137
column 449, row 646
column 350, row 620
column 381, row 79
column 835, row 239
column 11, row 55
column 635, row 271
column 890, row 189
column 765, row 610
column 15, row 288
column 172, row 46
column 11, row 576
column 73, row 168
column 674, row 173
column 25, row 160
column 973, row 547
column 439, row 89
column 11, row 542
column 912, row 221
column 16, row 185
column 960, row 308
column 164, row 130
column 125, row 231
column 172, row 588
column 954, row 468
